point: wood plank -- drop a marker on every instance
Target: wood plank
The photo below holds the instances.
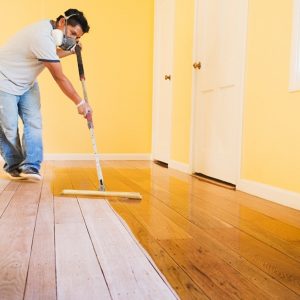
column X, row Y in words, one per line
column 216, row 277
column 79, row 275
column 279, row 266
column 67, row 210
column 128, row 271
column 16, row 231
column 6, row 195
column 4, row 182
column 41, row 280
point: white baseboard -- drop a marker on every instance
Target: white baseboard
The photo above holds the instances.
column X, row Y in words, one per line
column 185, row 168
column 274, row 194
column 105, row 156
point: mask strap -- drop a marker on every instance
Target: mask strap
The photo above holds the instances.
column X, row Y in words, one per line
column 68, row 17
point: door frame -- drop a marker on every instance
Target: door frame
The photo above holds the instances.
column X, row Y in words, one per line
column 156, row 78
column 241, row 95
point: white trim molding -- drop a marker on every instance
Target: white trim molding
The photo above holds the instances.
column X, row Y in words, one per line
column 105, row 156
column 179, row 166
column 268, row 192
column 294, row 82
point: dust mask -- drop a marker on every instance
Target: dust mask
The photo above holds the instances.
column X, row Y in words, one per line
column 61, row 39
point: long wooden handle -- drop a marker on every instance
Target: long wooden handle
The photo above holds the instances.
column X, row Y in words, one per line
column 89, row 118
column 79, row 62
column 82, row 79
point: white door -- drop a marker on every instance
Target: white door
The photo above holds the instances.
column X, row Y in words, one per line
column 220, row 39
column 162, row 94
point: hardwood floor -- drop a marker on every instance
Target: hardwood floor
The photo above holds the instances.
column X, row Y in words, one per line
column 208, row 241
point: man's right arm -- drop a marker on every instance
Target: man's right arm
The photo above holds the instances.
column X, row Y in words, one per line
column 66, row 86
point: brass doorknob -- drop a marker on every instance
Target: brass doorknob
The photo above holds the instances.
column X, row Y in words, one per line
column 167, row 77
column 197, row 65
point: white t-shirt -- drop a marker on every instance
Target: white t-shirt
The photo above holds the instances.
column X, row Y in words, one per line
column 21, row 58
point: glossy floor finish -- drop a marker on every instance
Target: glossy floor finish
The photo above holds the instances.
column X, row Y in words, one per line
column 208, row 241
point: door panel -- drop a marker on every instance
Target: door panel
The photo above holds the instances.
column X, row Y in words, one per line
column 164, row 27
column 220, row 40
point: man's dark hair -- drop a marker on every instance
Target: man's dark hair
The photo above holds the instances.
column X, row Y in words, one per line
column 78, row 19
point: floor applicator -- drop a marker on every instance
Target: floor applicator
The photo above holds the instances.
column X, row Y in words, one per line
column 101, row 192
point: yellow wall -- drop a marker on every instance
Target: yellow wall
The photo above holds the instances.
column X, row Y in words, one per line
column 271, row 149
column 182, row 80
column 271, row 134
column 118, row 65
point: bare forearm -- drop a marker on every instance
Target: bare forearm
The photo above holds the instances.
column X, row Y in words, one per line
column 63, row 82
column 68, row 89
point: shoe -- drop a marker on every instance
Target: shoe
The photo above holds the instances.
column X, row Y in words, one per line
column 15, row 175
column 31, row 174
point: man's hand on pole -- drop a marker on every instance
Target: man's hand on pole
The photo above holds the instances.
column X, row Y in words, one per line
column 84, row 108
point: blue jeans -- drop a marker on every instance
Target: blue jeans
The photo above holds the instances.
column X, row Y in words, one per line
column 30, row 152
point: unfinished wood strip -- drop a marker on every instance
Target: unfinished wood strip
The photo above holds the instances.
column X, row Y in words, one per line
column 6, row 195
column 128, row 272
column 16, row 232
column 67, row 211
column 79, row 275
column 4, row 183
column 41, row 280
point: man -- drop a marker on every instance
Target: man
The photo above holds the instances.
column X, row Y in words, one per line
column 22, row 59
